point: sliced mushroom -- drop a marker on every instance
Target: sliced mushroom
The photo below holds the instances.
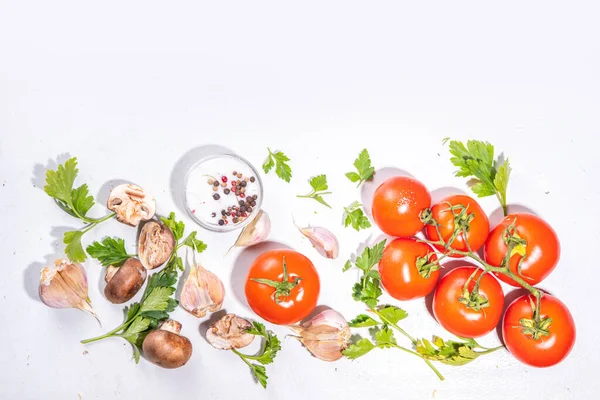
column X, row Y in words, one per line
column 131, row 203
column 230, row 332
column 125, row 281
column 166, row 348
column 155, row 244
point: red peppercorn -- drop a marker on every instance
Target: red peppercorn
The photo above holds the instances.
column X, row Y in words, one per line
column 224, row 178
column 233, row 183
column 233, row 214
column 242, row 195
column 244, row 215
column 233, row 189
column 226, row 222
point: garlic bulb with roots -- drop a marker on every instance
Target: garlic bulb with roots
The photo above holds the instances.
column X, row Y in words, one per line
column 255, row 232
column 65, row 286
column 203, row 292
column 325, row 335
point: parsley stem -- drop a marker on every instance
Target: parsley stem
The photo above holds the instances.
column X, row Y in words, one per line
column 437, row 372
column 106, row 335
column 394, row 325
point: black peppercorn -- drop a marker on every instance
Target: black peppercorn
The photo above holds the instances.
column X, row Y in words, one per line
column 213, row 215
column 216, row 183
column 255, row 197
column 252, row 179
column 243, row 183
column 226, row 191
column 243, row 209
column 216, row 196
column 242, row 202
column 249, row 209
column 223, row 212
column 221, row 222
column 235, row 220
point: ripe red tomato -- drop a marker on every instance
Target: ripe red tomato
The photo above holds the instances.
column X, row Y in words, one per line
column 397, row 206
column 282, row 286
column 453, row 314
column 547, row 350
column 449, row 215
column 399, row 272
column 542, row 250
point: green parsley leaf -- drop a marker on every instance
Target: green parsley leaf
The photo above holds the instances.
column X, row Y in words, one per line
column 59, row 183
column 279, row 160
column 347, row 266
column 319, row 186
column 354, row 215
column 74, row 249
column 385, row 337
column 158, row 299
column 368, row 289
column 196, row 244
column 364, row 168
column 136, row 354
column 450, row 352
column 177, row 227
column 358, row 349
column 363, row 321
column 109, row 252
column 82, row 201
column 476, row 160
column 138, row 325
column 392, row 314
column 370, row 256
column 271, row 347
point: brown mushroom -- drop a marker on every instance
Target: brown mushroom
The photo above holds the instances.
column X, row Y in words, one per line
column 165, row 347
column 131, row 203
column 122, row 283
column 155, row 244
column 230, row 332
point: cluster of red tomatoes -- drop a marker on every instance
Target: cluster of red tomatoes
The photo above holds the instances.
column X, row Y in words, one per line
column 468, row 301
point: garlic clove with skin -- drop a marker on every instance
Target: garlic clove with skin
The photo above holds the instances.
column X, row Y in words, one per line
column 325, row 335
column 255, row 232
column 230, row 332
column 65, row 286
column 323, row 240
column 203, row 292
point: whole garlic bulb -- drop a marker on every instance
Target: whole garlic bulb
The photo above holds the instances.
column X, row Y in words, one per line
column 65, row 286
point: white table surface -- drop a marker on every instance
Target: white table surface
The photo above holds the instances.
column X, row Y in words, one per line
column 137, row 89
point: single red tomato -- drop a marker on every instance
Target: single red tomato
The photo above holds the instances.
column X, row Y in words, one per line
column 543, row 347
column 538, row 253
column 456, row 212
column 463, row 314
column 399, row 269
column 282, row 286
column 397, row 206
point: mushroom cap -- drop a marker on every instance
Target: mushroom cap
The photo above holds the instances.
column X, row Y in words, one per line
column 123, row 284
column 155, row 244
column 131, row 203
column 230, row 333
column 167, row 349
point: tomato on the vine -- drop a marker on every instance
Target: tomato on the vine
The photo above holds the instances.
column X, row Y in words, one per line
column 282, row 286
column 397, row 206
column 408, row 269
column 535, row 247
column 453, row 215
column 468, row 313
column 543, row 343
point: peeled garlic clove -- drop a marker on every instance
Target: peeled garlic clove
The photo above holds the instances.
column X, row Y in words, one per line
column 65, row 286
column 155, row 244
column 202, row 292
column 131, row 203
column 325, row 335
column 323, row 240
column 255, row 232
column 230, row 332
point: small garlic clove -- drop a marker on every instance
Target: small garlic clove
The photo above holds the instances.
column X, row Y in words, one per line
column 230, row 333
column 255, row 232
column 65, row 286
column 202, row 292
column 323, row 240
column 325, row 335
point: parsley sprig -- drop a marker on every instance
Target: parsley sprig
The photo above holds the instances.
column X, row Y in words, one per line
column 111, row 251
column 384, row 319
column 355, row 217
column 278, row 160
column 476, row 160
column 319, row 188
column 144, row 316
column 363, row 167
column 267, row 356
column 157, row 301
column 75, row 202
